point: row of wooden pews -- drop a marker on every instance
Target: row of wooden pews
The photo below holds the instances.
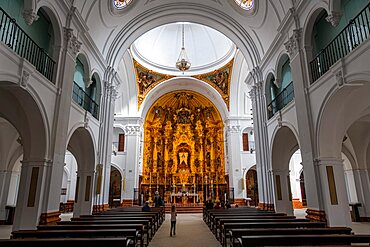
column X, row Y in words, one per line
column 253, row 227
column 118, row 227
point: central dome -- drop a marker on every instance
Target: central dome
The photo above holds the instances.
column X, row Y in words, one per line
column 159, row 49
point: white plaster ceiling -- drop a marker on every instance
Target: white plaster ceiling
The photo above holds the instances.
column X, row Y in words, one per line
column 206, row 48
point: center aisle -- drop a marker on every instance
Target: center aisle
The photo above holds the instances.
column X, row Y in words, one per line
column 190, row 231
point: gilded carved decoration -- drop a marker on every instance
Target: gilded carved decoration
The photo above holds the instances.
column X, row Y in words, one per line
column 219, row 79
column 146, row 80
column 183, row 143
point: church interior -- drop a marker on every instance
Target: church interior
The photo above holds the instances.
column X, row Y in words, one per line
column 236, row 112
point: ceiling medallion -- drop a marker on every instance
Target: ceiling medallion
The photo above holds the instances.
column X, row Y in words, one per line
column 183, row 62
column 120, row 4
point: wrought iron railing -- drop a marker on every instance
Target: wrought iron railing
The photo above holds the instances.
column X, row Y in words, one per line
column 281, row 100
column 83, row 99
column 356, row 32
column 16, row 38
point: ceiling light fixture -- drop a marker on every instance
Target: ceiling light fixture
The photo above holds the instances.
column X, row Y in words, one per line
column 183, row 62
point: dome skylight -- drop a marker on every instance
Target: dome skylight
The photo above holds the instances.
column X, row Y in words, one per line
column 245, row 4
column 121, row 4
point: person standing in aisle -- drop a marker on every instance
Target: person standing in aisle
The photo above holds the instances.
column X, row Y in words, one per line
column 173, row 220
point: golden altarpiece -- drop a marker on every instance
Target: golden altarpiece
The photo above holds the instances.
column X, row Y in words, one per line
column 183, row 150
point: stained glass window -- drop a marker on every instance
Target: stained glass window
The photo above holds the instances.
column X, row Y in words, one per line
column 120, row 4
column 245, row 4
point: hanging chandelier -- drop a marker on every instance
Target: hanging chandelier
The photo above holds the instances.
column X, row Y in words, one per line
column 183, row 62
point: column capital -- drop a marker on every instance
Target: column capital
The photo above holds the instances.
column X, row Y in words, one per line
column 132, row 129
column 324, row 161
column 293, row 44
column 29, row 16
column 72, row 45
column 334, row 18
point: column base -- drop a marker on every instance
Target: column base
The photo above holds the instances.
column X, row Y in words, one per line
column 126, row 203
column 49, row 218
column 315, row 215
column 266, row 206
column 297, row 203
column 100, row 208
column 239, row 201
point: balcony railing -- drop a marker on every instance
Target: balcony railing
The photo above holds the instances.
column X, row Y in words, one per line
column 83, row 99
column 281, row 100
column 16, row 38
column 356, row 32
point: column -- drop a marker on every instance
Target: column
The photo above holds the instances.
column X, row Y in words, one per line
column 5, row 177
column 59, row 132
column 234, row 147
column 303, row 112
column 84, row 195
column 362, row 181
column 106, row 133
column 132, row 132
column 31, row 193
column 265, row 189
column 334, row 192
column 283, row 193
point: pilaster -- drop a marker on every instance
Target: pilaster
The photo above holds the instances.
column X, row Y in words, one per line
column 283, row 194
column 5, row 177
column 334, row 192
column 31, row 194
column 84, row 196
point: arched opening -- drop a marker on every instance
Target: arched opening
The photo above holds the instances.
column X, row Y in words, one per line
column 67, row 198
column 252, row 186
column 285, row 144
column 82, row 147
column 297, row 181
column 345, row 31
column 25, row 133
column 85, row 88
column 115, row 187
column 183, row 150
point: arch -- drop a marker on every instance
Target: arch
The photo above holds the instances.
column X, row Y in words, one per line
column 284, row 145
column 186, row 83
column 99, row 86
column 81, row 145
column 184, row 12
column 84, row 59
column 282, row 59
column 26, row 116
column 336, row 105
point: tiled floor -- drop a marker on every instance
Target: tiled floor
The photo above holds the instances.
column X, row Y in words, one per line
column 190, row 231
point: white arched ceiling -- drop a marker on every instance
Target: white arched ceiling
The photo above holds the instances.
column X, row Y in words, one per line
column 253, row 34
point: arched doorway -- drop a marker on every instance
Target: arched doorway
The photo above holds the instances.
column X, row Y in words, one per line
column 183, row 149
column 285, row 144
column 115, row 187
column 82, row 147
column 252, row 186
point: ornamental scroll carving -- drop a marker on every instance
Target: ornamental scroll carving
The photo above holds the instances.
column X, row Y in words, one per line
column 219, row 79
column 146, row 80
column 183, row 142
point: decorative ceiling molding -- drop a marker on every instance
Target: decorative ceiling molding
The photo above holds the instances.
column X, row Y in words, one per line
column 146, row 80
column 219, row 79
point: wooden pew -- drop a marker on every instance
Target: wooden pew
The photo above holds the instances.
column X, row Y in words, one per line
column 226, row 227
column 144, row 222
column 63, row 242
column 216, row 218
column 222, row 221
column 132, row 234
column 301, row 240
column 157, row 215
column 238, row 233
column 137, row 227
